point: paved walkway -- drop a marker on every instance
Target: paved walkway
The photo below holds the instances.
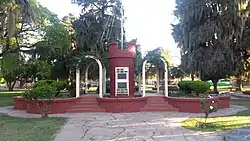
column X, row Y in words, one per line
column 240, row 95
column 130, row 126
column 242, row 134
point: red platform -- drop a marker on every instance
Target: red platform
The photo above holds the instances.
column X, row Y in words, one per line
column 122, row 105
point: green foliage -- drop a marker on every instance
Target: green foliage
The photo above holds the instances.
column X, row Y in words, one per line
column 177, row 72
column 55, row 43
column 59, row 85
column 42, row 95
column 12, row 69
column 213, row 44
column 44, row 91
column 43, row 70
column 199, row 87
column 185, row 86
column 43, row 82
column 178, row 94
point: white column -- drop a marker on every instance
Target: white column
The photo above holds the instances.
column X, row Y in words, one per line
column 100, row 78
column 166, row 81
column 100, row 73
column 144, row 78
column 77, row 82
column 165, row 76
column 104, row 80
column 86, row 79
column 158, row 80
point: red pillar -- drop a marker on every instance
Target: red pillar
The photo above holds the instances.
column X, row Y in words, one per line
column 121, row 62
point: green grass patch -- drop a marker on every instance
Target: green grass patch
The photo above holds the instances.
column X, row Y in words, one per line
column 29, row 129
column 245, row 103
column 6, row 98
column 221, row 123
column 11, row 92
column 216, row 123
column 92, row 88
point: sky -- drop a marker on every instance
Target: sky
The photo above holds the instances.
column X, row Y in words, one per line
column 148, row 21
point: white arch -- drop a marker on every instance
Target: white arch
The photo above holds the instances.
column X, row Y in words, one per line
column 144, row 77
column 100, row 76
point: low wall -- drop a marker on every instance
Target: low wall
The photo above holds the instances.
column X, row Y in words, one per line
column 122, row 105
column 19, row 103
column 193, row 105
column 58, row 105
column 224, row 102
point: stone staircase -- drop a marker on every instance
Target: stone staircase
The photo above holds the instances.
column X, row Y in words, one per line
column 158, row 104
column 86, row 104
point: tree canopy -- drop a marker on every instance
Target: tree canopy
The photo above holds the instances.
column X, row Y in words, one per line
column 209, row 34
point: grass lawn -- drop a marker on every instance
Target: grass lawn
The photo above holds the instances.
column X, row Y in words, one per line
column 221, row 123
column 29, row 129
column 6, row 98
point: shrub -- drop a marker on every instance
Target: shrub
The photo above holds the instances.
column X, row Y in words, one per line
column 59, row 85
column 185, row 86
column 43, row 82
column 42, row 96
column 199, row 87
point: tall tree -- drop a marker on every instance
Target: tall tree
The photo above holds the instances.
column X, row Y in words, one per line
column 206, row 30
column 20, row 20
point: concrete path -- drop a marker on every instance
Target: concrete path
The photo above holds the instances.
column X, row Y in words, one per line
column 136, row 127
column 130, row 126
column 242, row 134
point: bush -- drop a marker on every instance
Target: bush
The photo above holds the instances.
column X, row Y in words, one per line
column 59, row 85
column 42, row 96
column 185, row 86
column 199, row 87
column 43, row 82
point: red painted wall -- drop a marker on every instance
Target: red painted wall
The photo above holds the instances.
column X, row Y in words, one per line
column 193, row 105
column 19, row 103
column 122, row 105
column 224, row 102
column 58, row 106
column 121, row 58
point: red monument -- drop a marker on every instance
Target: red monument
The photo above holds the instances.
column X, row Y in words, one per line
column 121, row 67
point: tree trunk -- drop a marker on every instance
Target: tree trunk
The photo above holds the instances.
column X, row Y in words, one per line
column 239, row 86
column 215, row 86
column 192, row 76
column 11, row 85
column 22, row 82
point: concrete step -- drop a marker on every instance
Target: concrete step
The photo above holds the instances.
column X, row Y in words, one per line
column 80, row 110
column 86, row 102
column 85, row 106
column 161, row 102
column 159, row 105
column 159, row 109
